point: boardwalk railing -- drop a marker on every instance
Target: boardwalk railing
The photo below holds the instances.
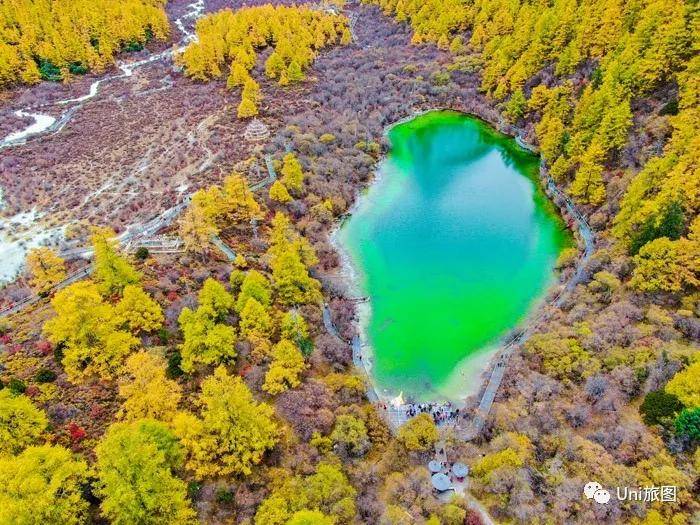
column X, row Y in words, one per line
column 24, row 303
column 271, row 175
column 143, row 235
column 499, row 369
column 225, row 249
column 156, row 244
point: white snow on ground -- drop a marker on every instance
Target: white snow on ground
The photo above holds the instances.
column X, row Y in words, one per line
column 94, row 87
column 41, row 123
column 22, row 232
column 19, row 234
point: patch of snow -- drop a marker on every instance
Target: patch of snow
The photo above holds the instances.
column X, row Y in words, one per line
column 19, row 234
column 196, row 10
column 94, row 87
column 41, row 123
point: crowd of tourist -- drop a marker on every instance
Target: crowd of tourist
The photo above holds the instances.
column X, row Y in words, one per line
column 440, row 412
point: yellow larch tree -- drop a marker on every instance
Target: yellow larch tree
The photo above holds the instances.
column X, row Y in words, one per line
column 43, row 485
column 55, row 40
column 46, row 269
column 278, row 193
column 138, row 311
column 208, row 340
column 685, row 385
column 88, row 327
column 136, row 481
column 146, row 390
column 233, row 431
column 285, row 369
column 21, row 423
column 112, row 271
column 292, row 173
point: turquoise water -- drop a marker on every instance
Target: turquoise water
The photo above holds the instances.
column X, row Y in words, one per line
column 453, row 244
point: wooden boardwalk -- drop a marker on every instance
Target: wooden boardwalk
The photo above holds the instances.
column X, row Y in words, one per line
column 225, row 249
column 471, row 429
column 142, row 235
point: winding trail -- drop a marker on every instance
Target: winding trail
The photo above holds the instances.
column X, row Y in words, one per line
column 45, row 125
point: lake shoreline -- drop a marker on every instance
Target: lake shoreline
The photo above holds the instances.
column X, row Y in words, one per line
column 349, row 274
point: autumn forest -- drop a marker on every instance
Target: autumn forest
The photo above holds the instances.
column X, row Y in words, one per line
column 182, row 340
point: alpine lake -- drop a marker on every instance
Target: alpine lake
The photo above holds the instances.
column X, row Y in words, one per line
column 454, row 244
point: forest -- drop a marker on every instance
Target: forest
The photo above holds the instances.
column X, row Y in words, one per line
column 185, row 388
column 235, row 38
column 52, row 40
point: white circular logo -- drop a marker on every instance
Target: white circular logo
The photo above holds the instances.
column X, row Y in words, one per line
column 590, row 488
column 595, row 491
column 601, row 496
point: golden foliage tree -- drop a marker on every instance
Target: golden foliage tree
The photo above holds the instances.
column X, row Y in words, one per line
column 562, row 358
column 254, row 286
column 232, row 433
column 255, row 320
column 147, row 392
column 290, row 256
column 138, row 311
column 21, row 423
column 286, row 367
column 278, row 193
column 217, row 207
column 292, row 173
column 419, row 434
column 42, row 485
column 206, row 339
column 53, row 40
column 135, row 468
column 685, row 385
column 88, row 327
column 46, row 269
column 327, row 491
column 310, row 517
column 293, row 327
column 199, row 222
column 663, row 265
column 112, row 271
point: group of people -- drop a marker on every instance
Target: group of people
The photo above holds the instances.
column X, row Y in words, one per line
column 440, row 412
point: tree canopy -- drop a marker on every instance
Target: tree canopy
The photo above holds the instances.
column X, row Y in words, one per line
column 206, row 339
column 147, row 392
column 217, row 207
column 88, row 328
column 46, row 269
column 233, row 431
column 233, row 38
column 135, row 466
column 112, row 271
column 52, row 40
column 42, row 485
column 21, row 423
column 326, row 493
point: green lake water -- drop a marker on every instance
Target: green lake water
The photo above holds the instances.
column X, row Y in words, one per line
column 454, row 244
